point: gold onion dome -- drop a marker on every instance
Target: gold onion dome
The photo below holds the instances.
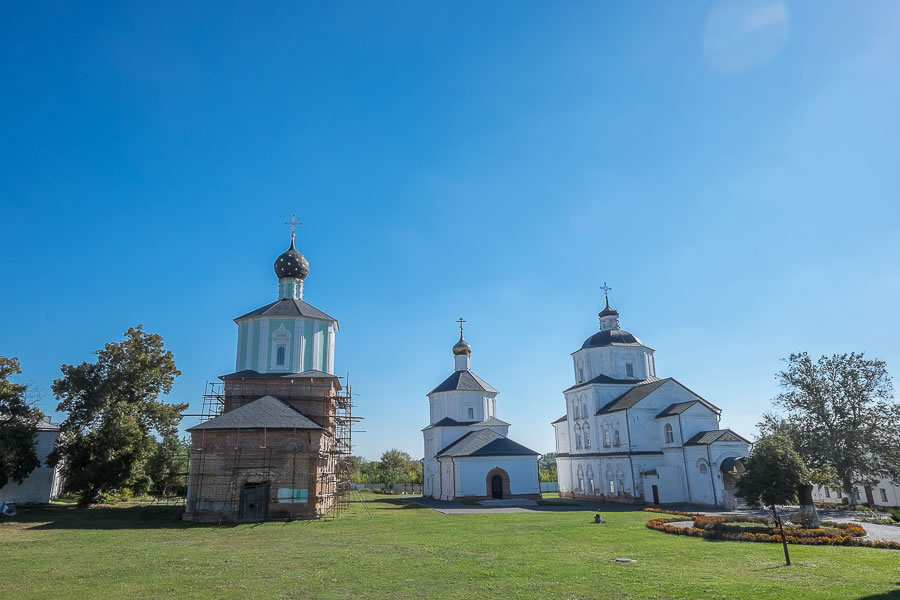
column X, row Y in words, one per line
column 462, row 347
column 291, row 264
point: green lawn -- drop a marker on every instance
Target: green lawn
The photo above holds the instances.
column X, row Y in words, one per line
column 400, row 551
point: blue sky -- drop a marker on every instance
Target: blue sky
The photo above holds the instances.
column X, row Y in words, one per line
column 730, row 169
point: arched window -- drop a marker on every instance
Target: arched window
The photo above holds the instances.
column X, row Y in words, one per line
column 606, row 438
column 279, row 356
column 584, row 412
column 590, row 478
column 575, row 408
column 587, row 435
column 618, row 440
column 670, row 437
column 703, row 468
column 621, row 477
column 580, row 479
column 577, row 437
column 580, row 367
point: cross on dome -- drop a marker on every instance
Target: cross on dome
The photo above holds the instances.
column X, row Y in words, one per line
column 293, row 223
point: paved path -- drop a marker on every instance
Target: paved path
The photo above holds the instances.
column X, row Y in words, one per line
column 457, row 508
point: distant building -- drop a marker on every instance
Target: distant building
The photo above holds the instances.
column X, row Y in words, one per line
column 467, row 453
column 280, row 447
column 881, row 493
column 629, row 436
column 43, row 484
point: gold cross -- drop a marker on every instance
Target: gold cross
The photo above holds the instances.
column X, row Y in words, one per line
column 460, row 321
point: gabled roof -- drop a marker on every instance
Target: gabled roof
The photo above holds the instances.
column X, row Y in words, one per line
column 266, row 412
column 308, row 374
column 561, row 419
column 288, row 307
column 485, row 442
column 719, row 435
column 679, row 407
column 633, row 396
column 610, row 380
column 464, row 381
column 448, row 422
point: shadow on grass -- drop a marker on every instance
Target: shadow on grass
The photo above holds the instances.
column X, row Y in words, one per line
column 894, row 595
column 401, row 502
column 55, row 516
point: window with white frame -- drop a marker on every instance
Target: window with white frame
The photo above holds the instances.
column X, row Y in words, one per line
column 606, row 438
column 827, row 492
column 471, row 412
column 612, row 487
column 279, row 355
column 618, row 440
column 629, row 370
column 670, row 437
column 883, row 494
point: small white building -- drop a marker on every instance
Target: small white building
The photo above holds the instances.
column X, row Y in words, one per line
column 467, row 453
column 880, row 494
column 630, row 436
column 44, row 483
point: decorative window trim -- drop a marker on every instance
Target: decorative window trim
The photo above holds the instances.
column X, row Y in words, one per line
column 670, row 434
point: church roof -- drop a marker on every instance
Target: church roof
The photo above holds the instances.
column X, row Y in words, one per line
column 448, row 422
column 288, row 307
column 561, row 419
column 485, row 442
column 466, row 381
column 609, row 380
column 704, row 438
column 267, row 412
column 251, row 374
column 633, row 396
column 609, row 337
column 680, row 407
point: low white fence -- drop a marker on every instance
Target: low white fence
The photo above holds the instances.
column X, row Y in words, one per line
column 409, row 488
column 549, row 486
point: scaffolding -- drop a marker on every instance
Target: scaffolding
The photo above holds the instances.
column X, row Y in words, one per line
column 273, row 473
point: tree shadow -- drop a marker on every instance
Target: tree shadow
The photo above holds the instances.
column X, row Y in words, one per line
column 893, row 595
column 401, row 502
column 55, row 516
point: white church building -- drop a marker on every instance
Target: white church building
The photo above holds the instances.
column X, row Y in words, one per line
column 467, row 452
column 630, row 436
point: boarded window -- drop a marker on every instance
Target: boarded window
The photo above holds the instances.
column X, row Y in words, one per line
column 295, row 496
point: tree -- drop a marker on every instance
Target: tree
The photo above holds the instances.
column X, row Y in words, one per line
column 168, row 465
column 840, row 415
column 115, row 415
column 18, row 426
column 547, row 467
column 773, row 474
column 394, row 465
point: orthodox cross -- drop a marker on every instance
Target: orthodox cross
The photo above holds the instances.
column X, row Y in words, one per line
column 460, row 321
column 293, row 223
column 606, row 290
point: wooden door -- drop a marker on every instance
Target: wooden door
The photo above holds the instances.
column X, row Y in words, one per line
column 870, row 499
column 497, row 487
column 254, row 501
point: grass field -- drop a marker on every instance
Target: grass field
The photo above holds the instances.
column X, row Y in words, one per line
column 401, row 551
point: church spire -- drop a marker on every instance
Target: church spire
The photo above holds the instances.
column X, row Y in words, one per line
column 291, row 268
column 609, row 317
column 462, row 351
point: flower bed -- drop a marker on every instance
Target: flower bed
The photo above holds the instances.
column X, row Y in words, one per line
column 725, row 528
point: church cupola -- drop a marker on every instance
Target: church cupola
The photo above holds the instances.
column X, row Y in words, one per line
column 462, row 351
column 609, row 317
column 291, row 268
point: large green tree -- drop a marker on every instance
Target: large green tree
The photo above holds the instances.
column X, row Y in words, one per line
column 394, row 466
column 18, row 426
column 773, row 474
column 115, row 414
column 840, row 415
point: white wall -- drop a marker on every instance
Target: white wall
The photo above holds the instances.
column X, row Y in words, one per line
column 44, row 483
column 472, row 474
column 835, row 495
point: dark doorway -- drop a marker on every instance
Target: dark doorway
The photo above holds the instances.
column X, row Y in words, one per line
column 655, row 495
column 254, row 501
column 870, row 499
column 497, row 487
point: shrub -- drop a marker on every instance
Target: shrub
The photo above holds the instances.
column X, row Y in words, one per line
column 895, row 514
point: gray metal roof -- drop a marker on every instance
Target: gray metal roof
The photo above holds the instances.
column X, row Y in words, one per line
column 448, row 422
column 632, row 396
column 250, row 374
column 718, row 435
column 605, row 379
column 266, row 412
column 611, row 337
column 288, row 307
column 464, row 381
column 485, row 442
column 680, row 407
column 561, row 419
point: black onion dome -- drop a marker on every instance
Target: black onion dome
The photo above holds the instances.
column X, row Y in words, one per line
column 291, row 264
column 609, row 337
column 609, row 312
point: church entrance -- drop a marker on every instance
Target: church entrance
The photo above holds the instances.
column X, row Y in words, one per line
column 497, row 487
column 254, row 501
column 655, row 495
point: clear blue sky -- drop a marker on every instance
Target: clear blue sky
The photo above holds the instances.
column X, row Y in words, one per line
column 730, row 169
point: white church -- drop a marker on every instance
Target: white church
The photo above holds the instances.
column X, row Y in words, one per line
column 629, row 436
column 468, row 455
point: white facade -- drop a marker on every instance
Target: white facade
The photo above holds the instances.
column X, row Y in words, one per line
column 44, row 483
column 630, row 436
column 467, row 451
column 883, row 493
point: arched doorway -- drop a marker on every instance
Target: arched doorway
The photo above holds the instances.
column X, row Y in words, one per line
column 497, row 481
